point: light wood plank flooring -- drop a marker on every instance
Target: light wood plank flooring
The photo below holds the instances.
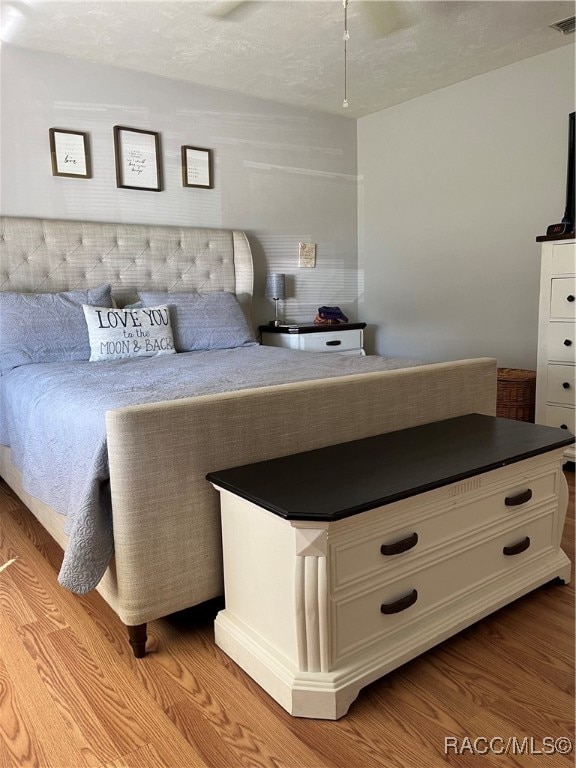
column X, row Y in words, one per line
column 71, row 693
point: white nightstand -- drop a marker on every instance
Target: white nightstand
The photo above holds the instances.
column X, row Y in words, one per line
column 344, row 338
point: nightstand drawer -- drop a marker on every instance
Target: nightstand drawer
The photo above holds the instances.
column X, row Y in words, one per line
column 560, row 384
column 393, row 607
column 563, row 297
column 562, row 342
column 331, row 341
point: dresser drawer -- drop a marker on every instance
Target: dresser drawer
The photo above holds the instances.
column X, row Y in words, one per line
column 563, row 258
column 560, row 384
column 374, row 551
column 331, row 341
column 565, row 418
column 561, row 342
column 563, row 297
column 402, row 605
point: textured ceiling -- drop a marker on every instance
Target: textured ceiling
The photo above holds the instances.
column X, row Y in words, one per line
column 292, row 51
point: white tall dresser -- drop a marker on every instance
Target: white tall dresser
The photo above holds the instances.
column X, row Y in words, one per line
column 556, row 368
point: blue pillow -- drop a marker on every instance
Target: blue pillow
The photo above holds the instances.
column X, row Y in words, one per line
column 46, row 327
column 204, row 320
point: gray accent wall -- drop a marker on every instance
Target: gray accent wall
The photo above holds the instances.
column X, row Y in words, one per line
column 425, row 214
column 454, row 188
column 282, row 174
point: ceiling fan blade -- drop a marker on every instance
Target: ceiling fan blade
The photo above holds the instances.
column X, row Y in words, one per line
column 230, row 10
column 384, row 18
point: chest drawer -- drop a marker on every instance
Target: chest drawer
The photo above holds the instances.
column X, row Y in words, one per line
column 563, row 297
column 563, row 258
column 561, row 342
column 563, row 417
column 392, row 541
column 560, row 384
column 362, row 619
column 331, row 341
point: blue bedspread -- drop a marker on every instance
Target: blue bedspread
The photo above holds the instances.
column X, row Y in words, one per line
column 52, row 417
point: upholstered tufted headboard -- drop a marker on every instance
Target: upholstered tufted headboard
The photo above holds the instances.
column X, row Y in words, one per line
column 51, row 255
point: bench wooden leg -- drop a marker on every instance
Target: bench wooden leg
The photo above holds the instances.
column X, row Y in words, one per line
column 137, row 639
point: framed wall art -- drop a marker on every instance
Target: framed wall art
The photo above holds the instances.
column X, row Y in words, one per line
column 70, row 153
column 197, row 167
column 138, row 162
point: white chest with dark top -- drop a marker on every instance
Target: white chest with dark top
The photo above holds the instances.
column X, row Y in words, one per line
column 342, row 563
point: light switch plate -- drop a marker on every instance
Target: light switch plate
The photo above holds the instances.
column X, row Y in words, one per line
column 306, row 254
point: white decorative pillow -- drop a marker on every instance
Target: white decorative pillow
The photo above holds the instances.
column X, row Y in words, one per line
column 118, row 333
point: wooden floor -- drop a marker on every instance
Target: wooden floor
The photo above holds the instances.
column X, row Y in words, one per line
column 71, row 694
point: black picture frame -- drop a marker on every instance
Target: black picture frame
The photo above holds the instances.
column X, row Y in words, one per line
column 197, row 167
column 70, row 153
column 138, row 159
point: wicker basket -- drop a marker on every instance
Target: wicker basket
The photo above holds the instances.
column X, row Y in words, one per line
column 516, row 396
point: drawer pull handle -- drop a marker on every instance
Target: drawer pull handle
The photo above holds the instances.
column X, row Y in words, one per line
column 566, row 384
column 400, row 546
column 515, row 549
column 335, row 343
column 567, row 342
column 520, row 498
column 400, row 605
column 570, row 297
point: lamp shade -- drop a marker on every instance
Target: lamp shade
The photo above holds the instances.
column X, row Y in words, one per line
column 276, row 286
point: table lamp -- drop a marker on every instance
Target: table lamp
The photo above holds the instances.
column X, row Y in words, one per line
column 275, row 289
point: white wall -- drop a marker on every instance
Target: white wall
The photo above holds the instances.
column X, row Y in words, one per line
column 282, row 174
column 454, row 188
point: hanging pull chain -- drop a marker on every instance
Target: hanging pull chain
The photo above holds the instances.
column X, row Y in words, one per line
column 345, row 37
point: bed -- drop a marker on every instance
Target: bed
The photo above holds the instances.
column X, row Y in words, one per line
column 157, row 448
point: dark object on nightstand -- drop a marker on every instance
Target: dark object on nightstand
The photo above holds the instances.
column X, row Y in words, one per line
column 329, row 315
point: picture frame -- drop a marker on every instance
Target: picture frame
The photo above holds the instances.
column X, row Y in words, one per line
column 197, row 167
column 138, row 161
column 70, row 153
